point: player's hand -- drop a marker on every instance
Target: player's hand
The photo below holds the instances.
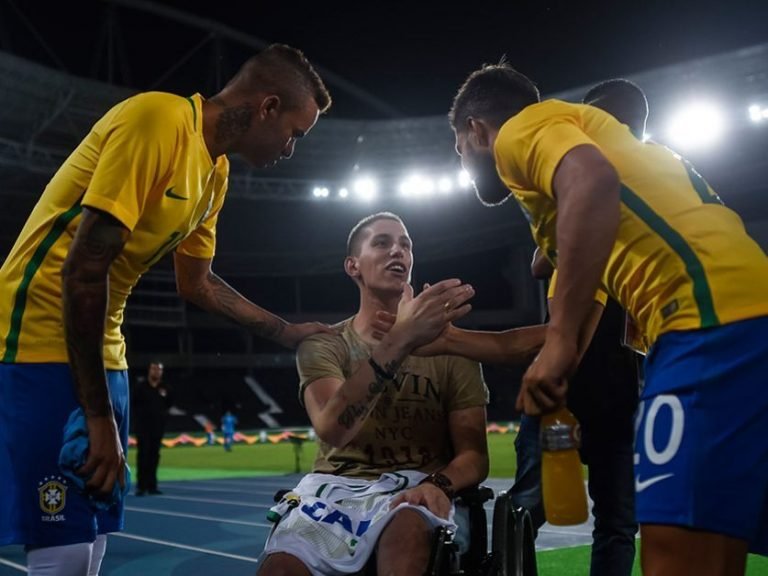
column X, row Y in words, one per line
column 106, row 460
column 427, row 495
column 420, row 319
column 545, row 383
column 382, row 323
column 440, row 346
column 293, row 334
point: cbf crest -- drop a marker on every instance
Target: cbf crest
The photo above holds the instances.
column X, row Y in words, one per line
column 52, row 493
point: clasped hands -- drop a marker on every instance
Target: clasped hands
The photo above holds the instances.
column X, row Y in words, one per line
column 424, row 319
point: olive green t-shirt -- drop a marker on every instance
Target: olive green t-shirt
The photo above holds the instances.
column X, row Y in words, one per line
column 408, row 428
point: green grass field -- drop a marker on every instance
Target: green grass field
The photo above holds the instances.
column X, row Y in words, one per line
column 191, row 463
column 575, row 562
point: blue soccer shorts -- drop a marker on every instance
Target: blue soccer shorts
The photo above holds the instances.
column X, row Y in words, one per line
column 701, row 448
column 40, row 508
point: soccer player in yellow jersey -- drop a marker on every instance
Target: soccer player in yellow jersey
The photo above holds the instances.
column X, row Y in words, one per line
column 149, row 178
column 609, row 210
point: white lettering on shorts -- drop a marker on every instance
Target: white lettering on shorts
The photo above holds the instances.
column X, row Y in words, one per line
column 659, row 455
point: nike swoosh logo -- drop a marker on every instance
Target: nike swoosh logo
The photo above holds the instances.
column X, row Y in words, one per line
column 641, row 485
column 171, row 194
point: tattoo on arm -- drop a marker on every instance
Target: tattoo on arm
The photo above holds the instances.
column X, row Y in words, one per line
column 392, row 366
column 197, row 283
column 85, row 288
column 358, row 411
column 231, row 303
column 352, row 414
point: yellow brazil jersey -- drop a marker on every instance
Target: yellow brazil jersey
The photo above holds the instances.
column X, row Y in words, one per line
column 146, row 164
column 681, row 259
column 631, row 338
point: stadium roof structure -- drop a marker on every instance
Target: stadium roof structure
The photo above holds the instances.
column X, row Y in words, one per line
column 45, row 112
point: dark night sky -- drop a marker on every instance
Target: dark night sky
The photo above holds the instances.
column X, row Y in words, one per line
column 413, row 55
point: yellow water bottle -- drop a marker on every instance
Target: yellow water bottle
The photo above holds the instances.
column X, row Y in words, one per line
column 562, row 476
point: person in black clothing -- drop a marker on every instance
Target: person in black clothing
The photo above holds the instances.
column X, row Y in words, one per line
column 151, row 403
column 603, row 395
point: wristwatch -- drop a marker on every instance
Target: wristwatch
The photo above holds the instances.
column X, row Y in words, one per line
column 441, row 481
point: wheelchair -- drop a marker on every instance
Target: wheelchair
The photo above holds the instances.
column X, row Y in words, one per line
column 512, row 551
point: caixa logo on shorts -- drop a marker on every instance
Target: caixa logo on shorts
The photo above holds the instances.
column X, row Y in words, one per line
column 53, row 497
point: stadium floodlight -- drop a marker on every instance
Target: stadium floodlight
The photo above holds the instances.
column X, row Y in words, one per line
column 445, row 184
column 465, row 181
column 757, row 113
column 696, row 126
column 365, row 187
column 417, row 185
column 343, row 193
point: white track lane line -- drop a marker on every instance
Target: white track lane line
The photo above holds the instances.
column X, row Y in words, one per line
column 587, row 532
column 255, row 483
column 269, row 493
column 197, row 517
column 184, row 547
column 212, row 501
column 13, row 565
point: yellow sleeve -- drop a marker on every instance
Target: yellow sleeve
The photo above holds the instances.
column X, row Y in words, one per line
column 601, row 296
column 201, row 243
column 136, row 153
column 321, row 356
column 529, row 149
column 468, row 388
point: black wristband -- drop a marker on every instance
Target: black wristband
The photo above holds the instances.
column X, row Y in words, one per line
column 379, row 371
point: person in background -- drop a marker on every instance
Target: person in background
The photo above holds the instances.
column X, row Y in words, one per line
column 151, row 400
column 228, row 423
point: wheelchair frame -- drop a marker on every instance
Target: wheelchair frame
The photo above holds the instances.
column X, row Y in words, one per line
column 513, row 550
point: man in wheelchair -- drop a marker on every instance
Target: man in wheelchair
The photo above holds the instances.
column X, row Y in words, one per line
column 399, row 434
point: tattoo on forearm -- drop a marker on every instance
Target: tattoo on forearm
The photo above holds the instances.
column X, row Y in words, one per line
column 376, row 387
column 392, row 366
column 353, row 413
column 232, row 304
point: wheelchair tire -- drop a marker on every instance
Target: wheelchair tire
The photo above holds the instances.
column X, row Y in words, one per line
column 513, row 548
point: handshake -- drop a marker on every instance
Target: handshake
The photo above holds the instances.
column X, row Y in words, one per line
column 423, row 322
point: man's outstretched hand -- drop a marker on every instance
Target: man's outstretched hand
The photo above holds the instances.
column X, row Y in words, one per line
column 427, row 316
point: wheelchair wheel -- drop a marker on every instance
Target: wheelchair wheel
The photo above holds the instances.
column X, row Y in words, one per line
column 443, row 551
column 513, row 549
